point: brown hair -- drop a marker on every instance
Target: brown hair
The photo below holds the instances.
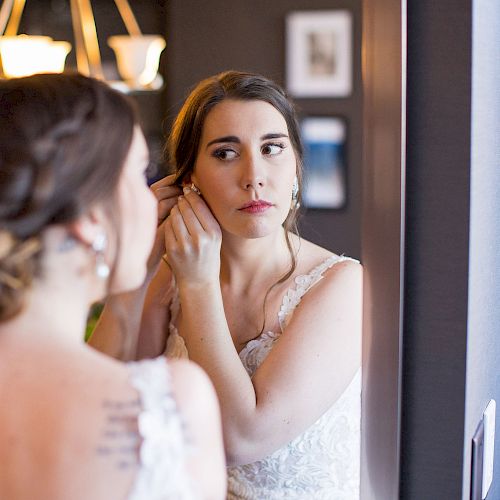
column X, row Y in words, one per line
column 63, row 143
column 184, row 140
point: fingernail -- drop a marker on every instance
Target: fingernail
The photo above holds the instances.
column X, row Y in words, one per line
column 186, row 189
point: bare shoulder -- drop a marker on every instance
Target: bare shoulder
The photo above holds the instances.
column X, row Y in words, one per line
column 311, row 255
column 337, row 295
column 328, row 318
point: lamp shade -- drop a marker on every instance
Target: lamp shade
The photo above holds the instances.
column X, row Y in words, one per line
column 25, row 55
column 137, row 57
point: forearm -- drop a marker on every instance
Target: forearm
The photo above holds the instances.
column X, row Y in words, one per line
column 117, row 329
column 210, row 345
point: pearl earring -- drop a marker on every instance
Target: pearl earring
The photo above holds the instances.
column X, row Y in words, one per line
column 98, row 246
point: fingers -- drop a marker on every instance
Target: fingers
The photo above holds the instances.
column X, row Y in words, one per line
column 200, row 209
column 164, row 208
column 165, row 181
column 170, row 239
column 189, row 217
column 166, row 193
column 178, row 225
column 193, row 252
column 190, row 222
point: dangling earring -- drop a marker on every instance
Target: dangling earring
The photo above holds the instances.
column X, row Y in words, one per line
column 194, row 188
column 295, row 193
column 98, row 246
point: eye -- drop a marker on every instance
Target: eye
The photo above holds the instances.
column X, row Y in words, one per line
column 272, row 149
column 225, row 154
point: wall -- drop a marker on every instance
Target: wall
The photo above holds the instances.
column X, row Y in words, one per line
column 483, row 340
column 452, row 286
column 205, row 37
column 437, row 253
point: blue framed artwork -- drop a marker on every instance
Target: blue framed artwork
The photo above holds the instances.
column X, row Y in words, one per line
column 324, row 142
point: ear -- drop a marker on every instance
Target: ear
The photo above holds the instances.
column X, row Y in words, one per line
column 88, row 227
column 188, row 180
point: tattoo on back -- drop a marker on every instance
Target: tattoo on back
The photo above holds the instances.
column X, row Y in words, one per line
column 120, row 440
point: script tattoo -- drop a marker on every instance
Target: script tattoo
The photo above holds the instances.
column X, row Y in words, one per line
column 120, row 437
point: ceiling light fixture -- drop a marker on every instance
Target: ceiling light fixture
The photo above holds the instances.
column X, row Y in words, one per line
column 137, row 55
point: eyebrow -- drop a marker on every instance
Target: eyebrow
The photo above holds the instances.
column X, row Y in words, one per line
column 236, row 140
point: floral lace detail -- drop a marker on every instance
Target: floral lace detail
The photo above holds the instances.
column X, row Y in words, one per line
column 320, row 464
column 323, row 462
column 304, row 282
column 162, row 474
column 256, row 350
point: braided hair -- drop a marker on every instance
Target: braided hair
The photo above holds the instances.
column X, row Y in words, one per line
column 63, row 142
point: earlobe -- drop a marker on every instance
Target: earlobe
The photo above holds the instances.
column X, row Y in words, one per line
column 195, row 188
column 90, row 232
column 87, row 228
column 190, row 182
column 82, row 232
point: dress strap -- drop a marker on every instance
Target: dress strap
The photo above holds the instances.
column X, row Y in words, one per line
column 304, row 283
column 165, row 446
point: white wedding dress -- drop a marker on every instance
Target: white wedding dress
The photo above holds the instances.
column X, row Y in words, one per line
column 162, row 471
column 323, row 462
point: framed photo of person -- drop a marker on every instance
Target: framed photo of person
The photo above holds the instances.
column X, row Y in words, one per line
column 319, row 53
column 325, row 173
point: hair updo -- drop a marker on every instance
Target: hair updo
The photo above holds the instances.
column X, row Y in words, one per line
column 63, row 142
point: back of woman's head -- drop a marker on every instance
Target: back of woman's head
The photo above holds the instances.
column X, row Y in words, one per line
column 63, row 142
column 184, row 140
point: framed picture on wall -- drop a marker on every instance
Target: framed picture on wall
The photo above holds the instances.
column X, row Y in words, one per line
column 319, row 53
column 324, row 183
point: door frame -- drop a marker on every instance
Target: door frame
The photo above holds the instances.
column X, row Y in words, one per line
column 382, row 243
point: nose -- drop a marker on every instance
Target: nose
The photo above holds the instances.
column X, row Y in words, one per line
column 253, row 173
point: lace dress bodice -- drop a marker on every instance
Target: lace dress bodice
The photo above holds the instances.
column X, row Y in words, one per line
column 323, row 462
column 162, row 471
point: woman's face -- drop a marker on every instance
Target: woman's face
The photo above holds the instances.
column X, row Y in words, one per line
column 137, row 216
column 245, row 167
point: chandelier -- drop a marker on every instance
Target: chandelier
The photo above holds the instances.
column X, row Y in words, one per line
column 137, row 55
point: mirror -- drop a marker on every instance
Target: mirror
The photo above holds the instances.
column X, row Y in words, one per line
column 252, row 37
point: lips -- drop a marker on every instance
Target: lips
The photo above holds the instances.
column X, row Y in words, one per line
column 255, row 206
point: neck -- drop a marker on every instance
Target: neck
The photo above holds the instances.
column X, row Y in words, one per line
column 48, row 316
column 246, row 261
column 56, row 306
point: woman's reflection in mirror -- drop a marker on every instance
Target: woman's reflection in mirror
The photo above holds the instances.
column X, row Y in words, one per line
column 273, row 319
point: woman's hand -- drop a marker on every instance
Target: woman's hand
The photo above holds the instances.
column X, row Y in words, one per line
column 192, row 241
column 166, row 193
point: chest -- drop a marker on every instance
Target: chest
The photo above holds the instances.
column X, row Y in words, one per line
column 247, row 315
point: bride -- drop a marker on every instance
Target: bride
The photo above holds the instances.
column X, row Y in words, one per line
column 274, row 320
column 77, row 221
